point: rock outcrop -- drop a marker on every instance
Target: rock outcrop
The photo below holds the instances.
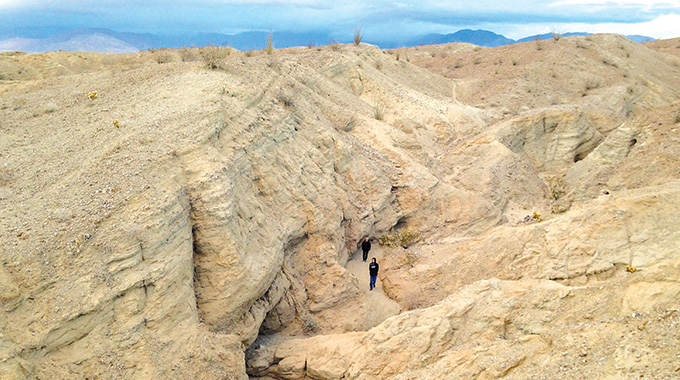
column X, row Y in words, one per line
column 502, row 329
column 177, row 221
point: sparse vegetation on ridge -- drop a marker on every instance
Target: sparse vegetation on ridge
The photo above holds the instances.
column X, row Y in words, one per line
column 404, row 239
column 556, row 33
column 358, row 36
column 212, row 56
column 270, row 44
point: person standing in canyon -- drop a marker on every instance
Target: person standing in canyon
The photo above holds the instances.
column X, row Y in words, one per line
column 365, row 247
column 373, row 272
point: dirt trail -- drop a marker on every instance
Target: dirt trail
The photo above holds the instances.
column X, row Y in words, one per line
column 377, row 306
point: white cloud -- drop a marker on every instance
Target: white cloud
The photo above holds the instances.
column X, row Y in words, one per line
column 15, row 3
column 643, row 3
column 665, row 26
column 662, row 27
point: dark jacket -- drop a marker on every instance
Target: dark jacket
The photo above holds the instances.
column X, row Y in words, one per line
column 373, row 269
column 366, row 246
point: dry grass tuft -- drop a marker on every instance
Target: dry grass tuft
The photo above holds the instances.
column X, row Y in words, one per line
column 379, row 111
column 358, row 36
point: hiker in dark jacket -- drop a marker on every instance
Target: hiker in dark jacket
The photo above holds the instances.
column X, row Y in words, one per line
column 366, row 246
column 373, row 271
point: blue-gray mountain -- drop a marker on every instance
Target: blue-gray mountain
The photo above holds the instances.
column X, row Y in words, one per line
column 104, row 40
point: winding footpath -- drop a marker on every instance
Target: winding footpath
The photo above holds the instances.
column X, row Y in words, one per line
column 377, row 306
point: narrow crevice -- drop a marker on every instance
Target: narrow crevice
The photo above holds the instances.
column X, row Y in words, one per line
column 195, row 252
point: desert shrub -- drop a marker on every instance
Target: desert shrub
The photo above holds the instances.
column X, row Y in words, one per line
column 92, row 95
column 412, row 298
column 162, row 56
column 358, row 36
column 212, row 56
column 477, row 61
column 334, row 45
column 403, row 238
column 309, row 325
column 539, row 43
column 556, row 34
column 515, row 61
column 379, row 111
column 677, row 117
column 557, row 189
column 270, row 44
column 188, row 54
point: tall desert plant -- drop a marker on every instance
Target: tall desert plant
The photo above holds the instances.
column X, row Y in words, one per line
column 270, row 44
column 358, row 36
column 556, row 33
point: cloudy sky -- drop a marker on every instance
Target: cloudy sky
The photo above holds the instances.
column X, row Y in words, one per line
column 379, row 18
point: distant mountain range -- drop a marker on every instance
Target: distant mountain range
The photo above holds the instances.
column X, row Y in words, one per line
column 104, row 40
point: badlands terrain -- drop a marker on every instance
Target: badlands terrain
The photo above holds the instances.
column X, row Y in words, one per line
column 196, row 213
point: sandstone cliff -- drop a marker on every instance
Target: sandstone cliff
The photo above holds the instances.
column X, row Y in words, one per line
column 183, row 215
